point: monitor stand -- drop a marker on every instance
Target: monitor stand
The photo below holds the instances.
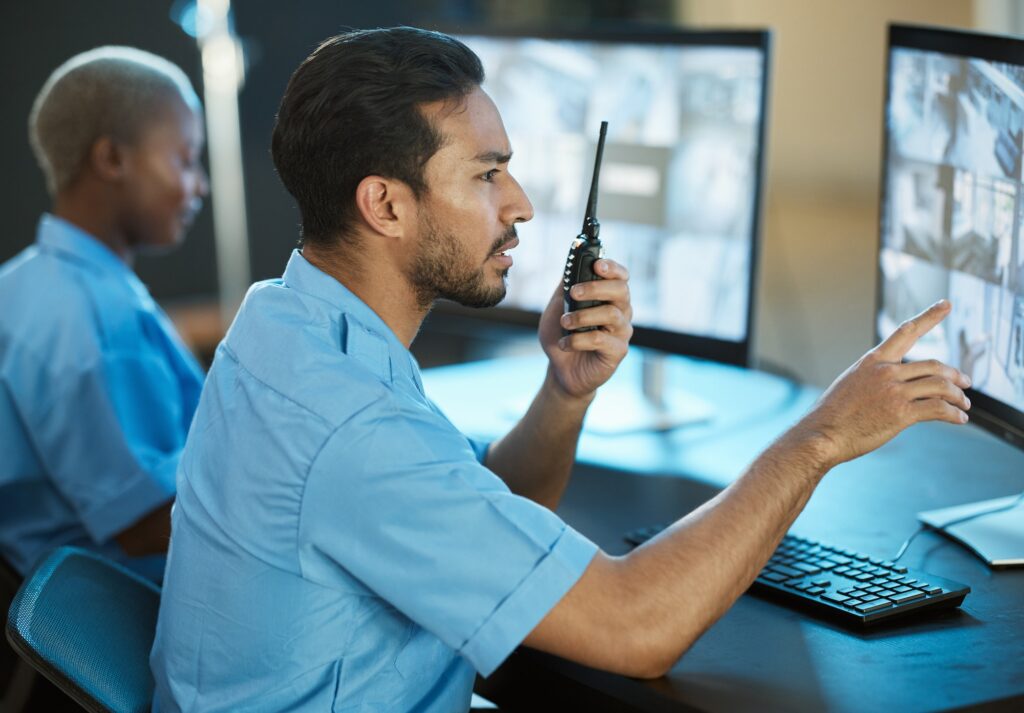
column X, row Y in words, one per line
column 997, row 538
column 647, row 403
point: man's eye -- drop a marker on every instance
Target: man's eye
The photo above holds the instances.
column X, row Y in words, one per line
column 489, row 176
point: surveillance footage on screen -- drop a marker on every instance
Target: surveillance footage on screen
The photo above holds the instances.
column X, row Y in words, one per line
column 952, row 214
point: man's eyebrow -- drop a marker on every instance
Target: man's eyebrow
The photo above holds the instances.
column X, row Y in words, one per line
column 493, row 157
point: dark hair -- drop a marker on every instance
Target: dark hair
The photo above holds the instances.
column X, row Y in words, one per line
column 351, row 110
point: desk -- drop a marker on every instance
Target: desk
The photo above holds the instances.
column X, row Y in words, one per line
column 760, row 655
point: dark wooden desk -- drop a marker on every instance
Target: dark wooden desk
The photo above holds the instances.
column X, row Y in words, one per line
column 761, row 655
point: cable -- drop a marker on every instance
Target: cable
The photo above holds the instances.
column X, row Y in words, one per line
column 903, row 548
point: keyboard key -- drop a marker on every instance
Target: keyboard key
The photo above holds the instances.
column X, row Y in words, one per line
column 807, row 568
column 933, row 589
column 834, row 598
column 874, row 605
column 906, row 596
column 774, row 576
column 815, row 591
column 786, row 570
column 821, row 583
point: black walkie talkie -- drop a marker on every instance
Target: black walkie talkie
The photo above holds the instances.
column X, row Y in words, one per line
column 586, row 248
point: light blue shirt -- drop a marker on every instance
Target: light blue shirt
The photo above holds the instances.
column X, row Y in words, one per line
column 96, row 396
column 337, row 543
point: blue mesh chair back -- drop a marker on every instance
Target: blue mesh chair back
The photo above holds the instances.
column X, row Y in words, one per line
column 9, row 583
column 17, row 678
column 88, row 624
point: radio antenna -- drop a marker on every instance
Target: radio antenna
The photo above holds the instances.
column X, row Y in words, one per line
column 591, row 225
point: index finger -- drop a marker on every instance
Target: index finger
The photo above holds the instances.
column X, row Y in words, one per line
column 906, row 335
column 611, row 270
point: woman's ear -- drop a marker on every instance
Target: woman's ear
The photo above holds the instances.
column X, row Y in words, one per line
column 107, row 159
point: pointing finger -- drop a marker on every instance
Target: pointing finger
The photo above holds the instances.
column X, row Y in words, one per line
column 906, row 335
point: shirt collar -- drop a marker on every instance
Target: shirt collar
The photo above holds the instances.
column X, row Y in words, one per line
column 60, row 236
column 303, row 276
column 71, row 242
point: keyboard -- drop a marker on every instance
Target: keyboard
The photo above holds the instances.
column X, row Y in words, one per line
column 841, row 584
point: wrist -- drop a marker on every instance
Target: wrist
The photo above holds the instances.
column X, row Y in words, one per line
column 814, row 449
column 557, row 392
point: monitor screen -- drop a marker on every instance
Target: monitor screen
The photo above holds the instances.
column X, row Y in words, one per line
column 952, row 208
column 680, row 181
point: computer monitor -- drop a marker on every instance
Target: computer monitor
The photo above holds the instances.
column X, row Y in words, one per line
column 680, row 191
column 952, row 224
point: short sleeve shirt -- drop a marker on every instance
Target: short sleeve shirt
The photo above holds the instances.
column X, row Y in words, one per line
column 337, row 542
column 96, row 396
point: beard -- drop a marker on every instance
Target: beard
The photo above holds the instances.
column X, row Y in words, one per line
column 445, row 269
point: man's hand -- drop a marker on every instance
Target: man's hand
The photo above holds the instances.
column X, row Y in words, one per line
column 879, row 396
column 581, row 362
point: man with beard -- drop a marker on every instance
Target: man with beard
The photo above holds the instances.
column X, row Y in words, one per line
column 337, row 543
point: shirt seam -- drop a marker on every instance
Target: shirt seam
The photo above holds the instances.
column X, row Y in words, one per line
column 234, row 356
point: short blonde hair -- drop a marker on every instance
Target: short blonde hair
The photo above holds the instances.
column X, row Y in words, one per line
column 108, row 91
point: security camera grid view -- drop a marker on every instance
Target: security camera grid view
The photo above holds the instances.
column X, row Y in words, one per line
column 678, row 180
column 952, row 213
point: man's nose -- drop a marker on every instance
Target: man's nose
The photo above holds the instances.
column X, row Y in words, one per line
column 520, row 209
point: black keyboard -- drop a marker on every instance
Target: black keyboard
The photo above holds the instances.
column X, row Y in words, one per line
column 839, row 583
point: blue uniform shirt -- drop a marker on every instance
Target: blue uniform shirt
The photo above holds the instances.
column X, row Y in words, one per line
column 338, row 544
column 96, row 396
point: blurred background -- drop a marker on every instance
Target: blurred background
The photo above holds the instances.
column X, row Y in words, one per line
column 815, row 300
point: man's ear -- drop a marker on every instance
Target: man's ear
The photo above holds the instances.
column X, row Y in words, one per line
column 388, row 206
column 107, row 159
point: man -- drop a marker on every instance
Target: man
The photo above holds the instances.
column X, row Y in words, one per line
column 338, row 544
column 96, row 389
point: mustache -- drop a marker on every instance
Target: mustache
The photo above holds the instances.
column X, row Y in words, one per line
column 509, row 233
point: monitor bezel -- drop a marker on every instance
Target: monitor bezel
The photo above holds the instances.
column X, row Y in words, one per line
column 988, row 412
column 739, row 353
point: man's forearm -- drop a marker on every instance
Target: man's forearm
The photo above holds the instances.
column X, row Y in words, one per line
column 643, row 610
column 704, row 562
column 535, row 458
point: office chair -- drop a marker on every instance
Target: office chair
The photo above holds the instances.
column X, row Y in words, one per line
column 87, row 624
column 16, row 676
